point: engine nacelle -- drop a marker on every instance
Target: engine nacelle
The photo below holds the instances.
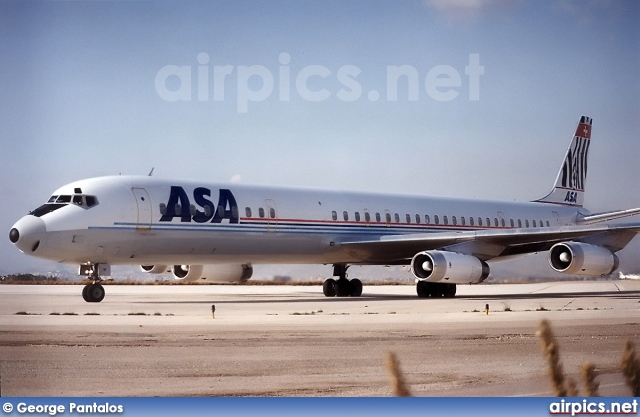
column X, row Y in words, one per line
column 449, row 267
column 582, row 259
column 220, row 273
column 156, row 269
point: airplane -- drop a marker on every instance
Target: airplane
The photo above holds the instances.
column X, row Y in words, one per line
column 212, row 232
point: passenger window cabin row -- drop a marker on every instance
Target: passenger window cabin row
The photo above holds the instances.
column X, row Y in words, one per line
column 261, row 212
column 221, row 209
column 444, row 220
column 388, row 218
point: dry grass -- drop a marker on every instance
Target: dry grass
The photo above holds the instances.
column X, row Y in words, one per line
column 588, row 372
column 398, row 384
column 572, row 387
column 563, row 387
column 551, row 351
column 631, row 368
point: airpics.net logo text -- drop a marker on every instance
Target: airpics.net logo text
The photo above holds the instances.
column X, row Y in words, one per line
column 315, row 83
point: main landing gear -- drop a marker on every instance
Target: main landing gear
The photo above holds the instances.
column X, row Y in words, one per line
column 94, row 293
column 435, row 289
column 342, row 287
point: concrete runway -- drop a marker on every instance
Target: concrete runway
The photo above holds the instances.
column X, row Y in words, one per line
column 292, row 341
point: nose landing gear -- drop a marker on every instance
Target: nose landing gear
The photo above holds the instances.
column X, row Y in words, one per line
column 94, row 293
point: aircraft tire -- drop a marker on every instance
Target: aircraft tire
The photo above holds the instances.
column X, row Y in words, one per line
column 437, row 290
column 95, row 293
column 343, row 287
column 329, row 287
column 422, row 288
column 355, row 287
column 85, row 291
column 450, row 290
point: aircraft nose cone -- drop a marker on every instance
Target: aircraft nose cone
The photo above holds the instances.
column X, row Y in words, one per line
column 27, row 233
column 14, row 235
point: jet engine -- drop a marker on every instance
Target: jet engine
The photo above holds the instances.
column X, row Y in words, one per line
column 220, row 273
column 582, row 259
column 156, row 269
column 449, row 267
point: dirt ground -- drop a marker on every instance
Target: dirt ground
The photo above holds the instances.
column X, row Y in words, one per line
column 292, row 341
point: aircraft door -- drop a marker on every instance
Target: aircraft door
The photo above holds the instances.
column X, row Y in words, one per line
column 272, row 215
column 143, row 207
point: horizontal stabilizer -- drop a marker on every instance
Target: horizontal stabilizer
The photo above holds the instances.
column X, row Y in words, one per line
column 610, row 215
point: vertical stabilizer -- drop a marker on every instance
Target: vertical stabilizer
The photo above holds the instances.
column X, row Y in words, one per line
column 570, row 183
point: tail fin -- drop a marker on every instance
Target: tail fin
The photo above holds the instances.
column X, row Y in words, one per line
column 570, row 183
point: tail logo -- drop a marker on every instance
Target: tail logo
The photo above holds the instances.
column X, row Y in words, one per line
column 574, row 169
column 572, row 197
column 570, row 182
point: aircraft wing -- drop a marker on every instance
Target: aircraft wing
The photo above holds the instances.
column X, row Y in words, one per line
column 487, row 243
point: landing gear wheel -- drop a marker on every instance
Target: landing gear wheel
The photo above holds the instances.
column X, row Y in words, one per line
column 93, row 293
column 329, row 287
column 450, row 290
column 97, row 293
column 437, row 290
column 343, row 287
column 422, row 288
column 355, row 287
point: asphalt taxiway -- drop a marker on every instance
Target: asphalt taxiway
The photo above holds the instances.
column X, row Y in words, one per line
column 293, row 341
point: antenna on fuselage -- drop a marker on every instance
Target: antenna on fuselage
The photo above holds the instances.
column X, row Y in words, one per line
column 151, row 172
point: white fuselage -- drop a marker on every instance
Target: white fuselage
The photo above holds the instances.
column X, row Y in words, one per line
column 146, row 220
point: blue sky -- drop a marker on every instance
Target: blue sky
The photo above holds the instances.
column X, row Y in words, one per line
column 81, row 97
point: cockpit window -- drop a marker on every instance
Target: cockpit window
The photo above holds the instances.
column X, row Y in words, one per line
column 46, row 208
column 91, row 200
column 59, row 201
